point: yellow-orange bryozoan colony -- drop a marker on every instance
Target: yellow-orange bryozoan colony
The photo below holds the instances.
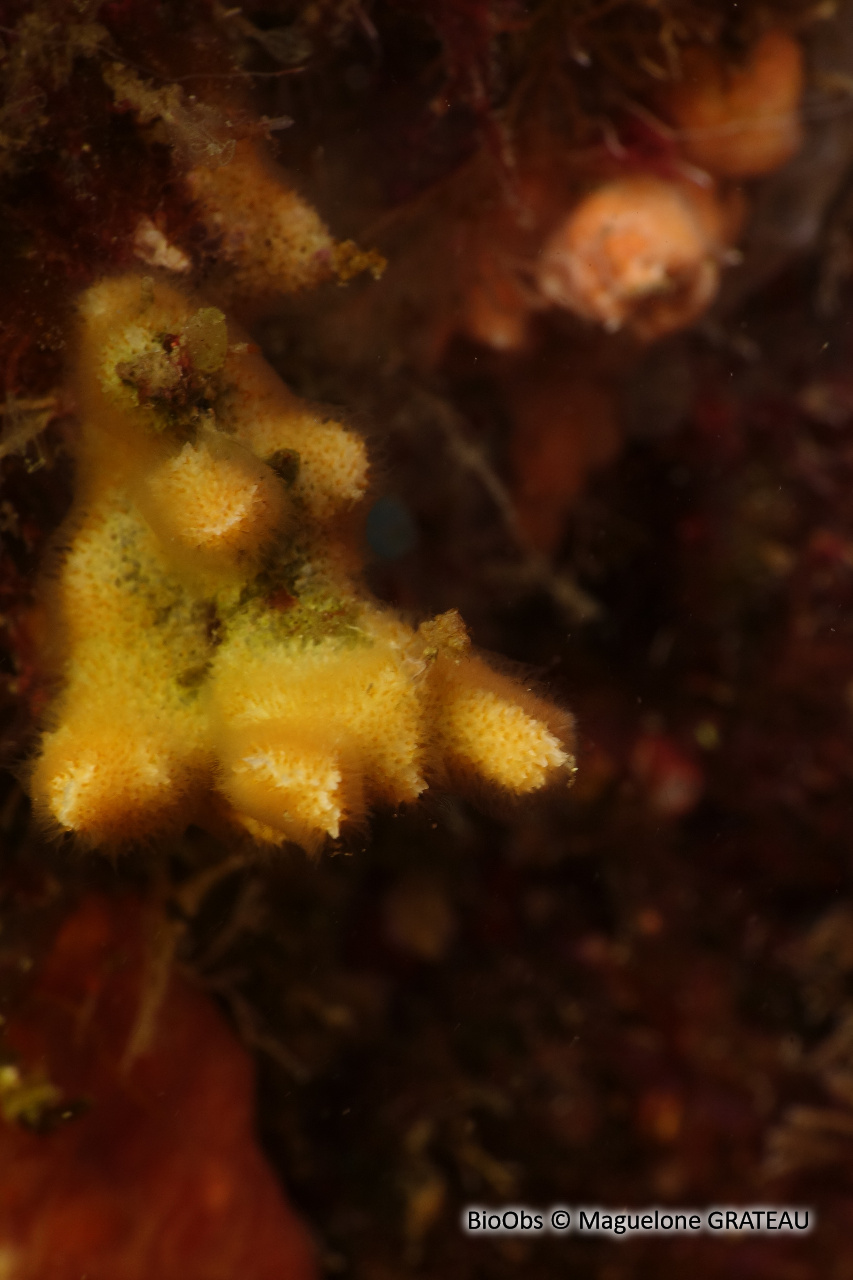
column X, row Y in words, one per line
column 217, row 662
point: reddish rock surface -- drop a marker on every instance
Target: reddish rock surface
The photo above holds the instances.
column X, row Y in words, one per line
column 161, row 1176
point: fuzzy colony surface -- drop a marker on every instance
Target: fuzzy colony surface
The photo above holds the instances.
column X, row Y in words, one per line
column 209, row 636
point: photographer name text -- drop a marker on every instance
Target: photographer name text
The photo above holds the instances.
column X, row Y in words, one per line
column 595, row 1220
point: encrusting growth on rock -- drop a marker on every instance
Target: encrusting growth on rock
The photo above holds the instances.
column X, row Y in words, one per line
column 203, row 618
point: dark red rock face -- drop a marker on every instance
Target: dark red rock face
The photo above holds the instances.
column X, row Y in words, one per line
column 161, row 1176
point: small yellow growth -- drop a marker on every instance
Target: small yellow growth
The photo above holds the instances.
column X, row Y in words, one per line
column 739, row 121
column 24, row 1099
column 348, row 261
column 217, row 663
column 639, row 249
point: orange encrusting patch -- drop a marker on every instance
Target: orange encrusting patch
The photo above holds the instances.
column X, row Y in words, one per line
column 161, row 1174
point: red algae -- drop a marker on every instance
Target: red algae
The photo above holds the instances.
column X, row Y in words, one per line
column 147, row 1168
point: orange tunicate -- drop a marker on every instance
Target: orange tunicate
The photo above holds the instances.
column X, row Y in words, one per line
column 639, row 250
column 739, row 121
